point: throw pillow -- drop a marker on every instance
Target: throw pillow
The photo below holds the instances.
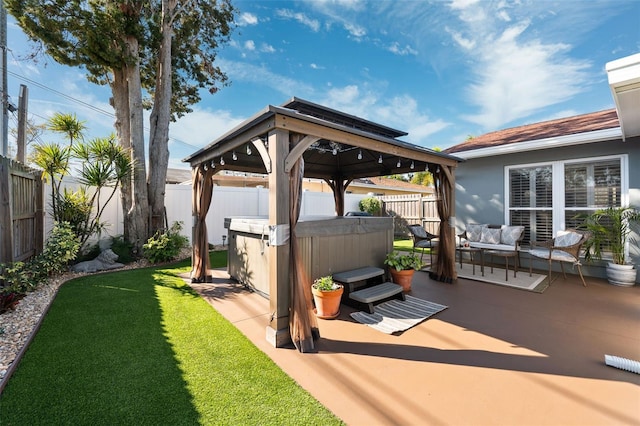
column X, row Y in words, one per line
column 474, row 232
column 490, row 236
column 566, row 239
column 510, row 234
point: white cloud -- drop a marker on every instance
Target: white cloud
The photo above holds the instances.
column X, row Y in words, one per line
column 354, row 29
column 515, row 71
column 244, row 71
column 316, row 67
column 400, row 112
column 267, row 48
column 250, row 45
column 402, row 51
column 313, row 24
column 247, row 19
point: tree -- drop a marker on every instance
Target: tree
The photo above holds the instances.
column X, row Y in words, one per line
column 100, row 164
column 164, row 48
column 422, row 178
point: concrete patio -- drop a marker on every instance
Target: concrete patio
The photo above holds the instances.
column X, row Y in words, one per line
column 496, row 356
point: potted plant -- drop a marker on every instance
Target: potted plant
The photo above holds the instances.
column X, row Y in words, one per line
column 327, row 295
column 610, row 229
column 402, row 267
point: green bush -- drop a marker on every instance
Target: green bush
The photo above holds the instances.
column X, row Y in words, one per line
column 21, row 277
column 166, row 246
column 370, row 205
column 123, row 249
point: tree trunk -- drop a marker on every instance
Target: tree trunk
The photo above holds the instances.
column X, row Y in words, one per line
column 120, row 104
column 138, row 214
column 159, row 122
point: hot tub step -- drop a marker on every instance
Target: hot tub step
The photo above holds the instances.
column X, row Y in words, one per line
column 379, row 293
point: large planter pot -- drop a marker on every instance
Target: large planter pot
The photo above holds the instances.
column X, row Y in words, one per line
column 621, row 275
column 402, row 278
column 327, row 302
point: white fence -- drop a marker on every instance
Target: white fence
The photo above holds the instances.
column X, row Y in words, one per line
column 226, row 202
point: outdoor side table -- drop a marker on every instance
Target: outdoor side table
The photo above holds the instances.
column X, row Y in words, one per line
column 473, row 252
column 506, row 254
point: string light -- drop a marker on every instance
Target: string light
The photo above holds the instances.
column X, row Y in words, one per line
column 380, row 159
column 426, row 167
column 222, row 161
column 335, row 151
column 412, row 165
column 399, row 163
column 213, row 164
column 248, row 149
column 360, row 154
column 234, row 156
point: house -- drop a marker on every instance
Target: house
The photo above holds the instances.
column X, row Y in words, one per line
column 543, row 174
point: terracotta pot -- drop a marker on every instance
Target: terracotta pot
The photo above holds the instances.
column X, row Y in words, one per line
column 327, row 303
column 402, row 278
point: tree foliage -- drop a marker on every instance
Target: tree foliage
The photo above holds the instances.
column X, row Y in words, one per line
column 157, row 54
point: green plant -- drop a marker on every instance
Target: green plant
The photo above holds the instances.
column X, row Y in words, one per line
column 123, row 249
column 165, row 246
column 370, row 205
column 610, row 229
column 8, row 301
column 326, row 284
column 400, row 261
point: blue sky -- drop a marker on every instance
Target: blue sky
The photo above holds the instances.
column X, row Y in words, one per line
column 439, row 70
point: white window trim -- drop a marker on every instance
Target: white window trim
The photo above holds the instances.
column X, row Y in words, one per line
column 557, row 169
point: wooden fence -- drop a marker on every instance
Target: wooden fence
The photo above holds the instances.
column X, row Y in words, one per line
column 21, row 211
column 412, row 209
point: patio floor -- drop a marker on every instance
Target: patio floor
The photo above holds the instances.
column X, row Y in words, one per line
column 496, row 356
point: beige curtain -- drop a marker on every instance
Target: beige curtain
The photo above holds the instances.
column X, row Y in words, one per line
column 338, row 186
column 202, row 193
column 303, row 324
column 444, row 269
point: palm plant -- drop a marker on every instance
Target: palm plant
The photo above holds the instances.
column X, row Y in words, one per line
column 610, row 229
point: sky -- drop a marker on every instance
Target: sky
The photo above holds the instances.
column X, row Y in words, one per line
column 440, row 70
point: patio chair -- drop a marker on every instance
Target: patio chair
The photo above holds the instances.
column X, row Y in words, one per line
column 565, row 247
column 423, row 240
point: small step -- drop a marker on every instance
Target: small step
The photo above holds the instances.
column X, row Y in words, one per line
column 359, row 274
column 376, row 293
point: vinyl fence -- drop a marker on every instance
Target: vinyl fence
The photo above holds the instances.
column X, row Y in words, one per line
column 226, row 202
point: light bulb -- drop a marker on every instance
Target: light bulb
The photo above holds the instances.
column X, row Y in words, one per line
column 222, row 161
column 335, row 151
column 234, row 156
column 412, row 165
column 248, row 150
column 360, row 155
column 399, row 163
column 213, row 164
column 380, row 159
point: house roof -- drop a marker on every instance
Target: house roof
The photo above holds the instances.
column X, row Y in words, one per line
column 601, row 125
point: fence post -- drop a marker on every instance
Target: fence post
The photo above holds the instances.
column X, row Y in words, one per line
column 6, row 228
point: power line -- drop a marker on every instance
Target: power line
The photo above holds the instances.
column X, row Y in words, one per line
column 84, row 104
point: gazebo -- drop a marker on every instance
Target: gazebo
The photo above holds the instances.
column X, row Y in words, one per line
column 302, row 139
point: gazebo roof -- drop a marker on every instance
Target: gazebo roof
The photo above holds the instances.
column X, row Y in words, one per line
column 344, row 146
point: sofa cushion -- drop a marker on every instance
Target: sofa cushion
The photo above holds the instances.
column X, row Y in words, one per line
column 566, row 239
column 510, row 234
column 474, row 232
column 490, row 235
column 419, row 231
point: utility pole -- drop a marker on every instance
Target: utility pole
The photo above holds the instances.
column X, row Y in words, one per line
column 23, row 104
column 5, row 95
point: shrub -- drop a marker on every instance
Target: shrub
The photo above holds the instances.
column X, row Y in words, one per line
column 370, row 205
column 123, row 249
column 166, row 246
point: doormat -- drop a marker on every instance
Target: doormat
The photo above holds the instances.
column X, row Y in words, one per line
column 396, row 316
column 536, row 282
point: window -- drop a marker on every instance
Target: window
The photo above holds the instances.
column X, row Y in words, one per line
column 549, row 197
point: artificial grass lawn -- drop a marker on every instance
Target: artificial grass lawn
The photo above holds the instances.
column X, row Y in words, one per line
column 141, row 347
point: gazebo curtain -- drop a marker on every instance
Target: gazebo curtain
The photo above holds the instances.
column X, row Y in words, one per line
column 202, row 177
column 303, row 325
column 444, row 269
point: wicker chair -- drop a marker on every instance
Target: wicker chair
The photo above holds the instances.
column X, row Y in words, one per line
column 423, row 240
column 564, row 248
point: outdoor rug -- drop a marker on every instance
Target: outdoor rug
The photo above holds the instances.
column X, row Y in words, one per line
column 396, row 315
column 536, row 282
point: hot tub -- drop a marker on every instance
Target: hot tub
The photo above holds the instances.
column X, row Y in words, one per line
column 328, row 245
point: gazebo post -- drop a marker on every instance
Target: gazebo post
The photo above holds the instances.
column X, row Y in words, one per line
column 278, row 328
